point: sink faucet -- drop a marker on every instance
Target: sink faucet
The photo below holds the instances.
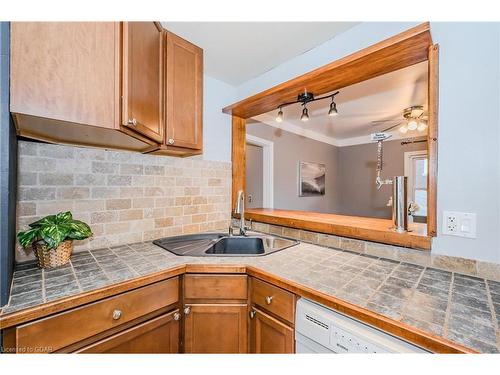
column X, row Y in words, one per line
column 240, row 209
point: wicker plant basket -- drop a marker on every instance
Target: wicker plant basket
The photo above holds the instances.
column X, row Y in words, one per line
column 48, row 258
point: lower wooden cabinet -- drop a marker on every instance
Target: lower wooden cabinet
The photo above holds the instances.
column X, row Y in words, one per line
column 268, row 335
column 158, row 335
column 215, row 328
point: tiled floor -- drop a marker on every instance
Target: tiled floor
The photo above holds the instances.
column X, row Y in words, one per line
column 461, row 308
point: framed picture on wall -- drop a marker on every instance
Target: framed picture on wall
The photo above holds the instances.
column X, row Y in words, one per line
column 311, row 179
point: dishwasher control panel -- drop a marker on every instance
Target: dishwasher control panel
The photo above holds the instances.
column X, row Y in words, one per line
column 320, row 330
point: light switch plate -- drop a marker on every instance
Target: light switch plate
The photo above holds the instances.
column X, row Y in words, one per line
column 461, row 224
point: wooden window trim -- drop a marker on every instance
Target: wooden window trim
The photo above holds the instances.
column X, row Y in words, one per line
column 402, row 50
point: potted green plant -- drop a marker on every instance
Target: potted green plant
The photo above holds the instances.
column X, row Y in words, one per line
column 52, row 238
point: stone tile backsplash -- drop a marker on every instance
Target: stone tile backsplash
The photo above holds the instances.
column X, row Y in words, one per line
column 125, row 197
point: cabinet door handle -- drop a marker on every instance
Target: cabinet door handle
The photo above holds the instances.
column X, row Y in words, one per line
column 171, row 141
column 269, row 299
column 177, row 316
column 117, row 314
column 252, row 314
column 187, row 310
column 132, row 122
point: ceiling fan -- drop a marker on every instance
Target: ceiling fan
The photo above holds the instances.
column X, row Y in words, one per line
column 414, row 118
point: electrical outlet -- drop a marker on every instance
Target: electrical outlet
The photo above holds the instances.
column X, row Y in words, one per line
column 462, row 224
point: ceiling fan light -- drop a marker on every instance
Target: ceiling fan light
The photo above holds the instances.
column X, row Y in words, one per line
column 403, row 129
column 421, row 126
column 279, row 117
column 333, row 109
column 305, row 115
column 412, row 124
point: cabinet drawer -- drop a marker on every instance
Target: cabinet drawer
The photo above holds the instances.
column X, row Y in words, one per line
column 58, row 331
column 273, row 299
column 215, row 287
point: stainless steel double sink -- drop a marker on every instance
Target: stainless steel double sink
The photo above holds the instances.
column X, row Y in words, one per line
column 220, row 244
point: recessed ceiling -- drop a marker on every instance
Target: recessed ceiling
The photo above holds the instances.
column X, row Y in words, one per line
column 235, row 52
column 380, row 98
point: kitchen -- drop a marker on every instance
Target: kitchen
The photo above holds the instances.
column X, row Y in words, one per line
column 143, row 161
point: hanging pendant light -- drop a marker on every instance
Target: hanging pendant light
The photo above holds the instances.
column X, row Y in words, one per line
column 279, row 117
column 333, row 109
column 305, row 114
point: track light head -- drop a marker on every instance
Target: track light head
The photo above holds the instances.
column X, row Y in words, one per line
column 305, row 114
column 333, row 109
column 279, row 117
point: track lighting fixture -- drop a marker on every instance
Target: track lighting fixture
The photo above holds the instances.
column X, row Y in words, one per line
column 307, row 97
column 305, row 114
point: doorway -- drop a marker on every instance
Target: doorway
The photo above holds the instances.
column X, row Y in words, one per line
column 259, row 172
column 416, row 169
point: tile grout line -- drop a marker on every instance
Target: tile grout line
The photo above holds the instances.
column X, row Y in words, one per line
column 134, row 272
column 493, row 314
column 98, row 265
column 448, row 307
column 412, row 293
column 76, row 277
column 44, row 294
column 380, row 286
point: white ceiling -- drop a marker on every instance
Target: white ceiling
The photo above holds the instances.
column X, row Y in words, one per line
column 380, row 98
column 235, row 52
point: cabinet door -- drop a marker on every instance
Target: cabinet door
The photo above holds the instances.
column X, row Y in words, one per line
column 66, row 71
column 269, row 335
column 143, row 79
column 211, row 328
column 159, row 335
column 184, row 88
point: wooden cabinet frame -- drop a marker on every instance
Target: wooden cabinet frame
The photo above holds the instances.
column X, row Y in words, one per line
column 400, row 51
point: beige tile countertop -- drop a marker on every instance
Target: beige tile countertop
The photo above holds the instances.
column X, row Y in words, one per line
column 460, row 308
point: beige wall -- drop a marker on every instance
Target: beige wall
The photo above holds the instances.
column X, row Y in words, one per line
column 289, row 149
column 125, row 197
column 350, row 177
column 357, row 173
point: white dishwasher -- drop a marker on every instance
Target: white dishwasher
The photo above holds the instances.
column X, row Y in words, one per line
column 322, row 330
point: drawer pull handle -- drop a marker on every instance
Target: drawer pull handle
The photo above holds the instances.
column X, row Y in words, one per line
column 177, row 316
column 132, row 122
column 269, row 299
column 252, row 314
column 117, row 314
column 171, row 141
column 187, row 310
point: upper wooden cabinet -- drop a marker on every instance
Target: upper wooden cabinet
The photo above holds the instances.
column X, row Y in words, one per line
column 183, row 97
column 184, row 93
column 143, row 79
column 129, row 85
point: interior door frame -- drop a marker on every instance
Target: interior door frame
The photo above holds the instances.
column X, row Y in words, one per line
column 408, row 156
column 267, row 168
